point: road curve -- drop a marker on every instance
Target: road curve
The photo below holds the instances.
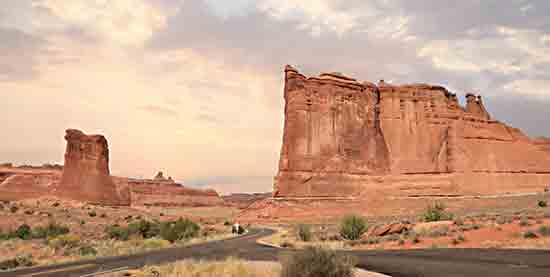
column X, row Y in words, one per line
column 408, row 263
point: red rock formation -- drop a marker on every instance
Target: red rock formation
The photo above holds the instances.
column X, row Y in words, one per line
column 162, row 191
column 345, row 138
column 18, row 183
column 86, row 175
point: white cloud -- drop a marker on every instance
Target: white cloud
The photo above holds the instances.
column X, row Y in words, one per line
column 538, row 88
column 505, row 51
column 121, row 22
column 377, row 18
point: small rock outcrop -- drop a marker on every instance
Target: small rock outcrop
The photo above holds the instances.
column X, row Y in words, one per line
column 86, row 176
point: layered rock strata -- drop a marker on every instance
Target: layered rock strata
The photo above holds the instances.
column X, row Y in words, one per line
column 344, row 138
column 86, row 175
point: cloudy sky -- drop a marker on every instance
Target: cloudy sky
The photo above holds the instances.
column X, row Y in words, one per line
column 194, row 87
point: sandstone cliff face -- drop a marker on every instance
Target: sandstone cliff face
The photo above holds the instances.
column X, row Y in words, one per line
column 18, row 183
column 345, row 138
column 86, row 175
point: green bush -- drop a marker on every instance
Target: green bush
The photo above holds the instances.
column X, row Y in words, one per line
column 436, row 212
column 179, row 230
column 144, row 228
column 87, row 250
column 24, row 232
column 117, row 232
column 316, row 262
column 304, row 232
column 353, row 227
column 51, row 230
column 530, row 235
column 544, row 231
column 19, row 261
column 543, row 204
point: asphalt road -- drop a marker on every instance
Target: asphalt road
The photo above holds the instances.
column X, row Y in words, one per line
column 432, row 262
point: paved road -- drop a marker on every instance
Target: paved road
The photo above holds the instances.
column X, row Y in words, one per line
column 414, row 263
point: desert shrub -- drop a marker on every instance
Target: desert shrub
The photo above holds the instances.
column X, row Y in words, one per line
column 161, row 214
column 14, row 209
column 529, row 235
column 144, row 228
column 64, row 241
column 316, row 261
column 24, row 232
column 179, row 230
column 401, row 242
column 436, row 212
column 92, row 214
column 50, row 230
column 544, row 231
column 56, row 204
column 304, row 232
column 415, row 238
column 117, row 232
column 103, row 216
column 87, row 250
column 227, row 223
column 542, row 204
column 4, row 236
column 353, row 227
column 19, row 261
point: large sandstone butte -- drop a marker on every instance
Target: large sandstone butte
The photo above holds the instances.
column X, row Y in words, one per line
column 344, row 138
column 86, row 175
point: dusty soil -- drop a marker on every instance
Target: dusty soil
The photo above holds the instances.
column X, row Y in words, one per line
column 87, row 224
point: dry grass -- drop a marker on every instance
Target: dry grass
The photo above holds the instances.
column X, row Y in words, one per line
column 231, row 267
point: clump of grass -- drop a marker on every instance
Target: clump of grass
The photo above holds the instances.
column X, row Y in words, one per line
column 17, row 262
column 303, row 232
column 316, row 261
column 353, row 227
column 64, row 241
column 228, row 268
column 436, row 212
column 87, row 250
column 50, row 231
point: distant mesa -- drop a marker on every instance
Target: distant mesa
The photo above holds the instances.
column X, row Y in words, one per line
column 344, row 138
column 86, row 177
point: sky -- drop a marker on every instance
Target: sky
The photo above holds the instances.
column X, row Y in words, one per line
column 194, row 88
